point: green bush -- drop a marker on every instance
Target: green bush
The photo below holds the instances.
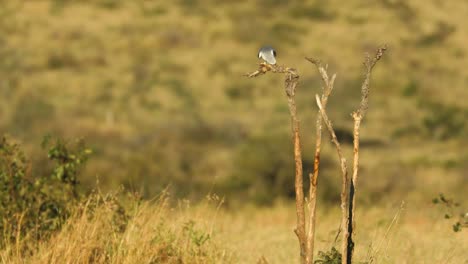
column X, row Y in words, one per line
column 329, row 257
column 34, row 206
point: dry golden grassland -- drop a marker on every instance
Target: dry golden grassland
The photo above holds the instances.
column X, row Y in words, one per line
column 205, row 233
column 156, row 88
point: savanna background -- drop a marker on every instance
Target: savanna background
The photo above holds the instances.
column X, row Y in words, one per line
column 158, row 150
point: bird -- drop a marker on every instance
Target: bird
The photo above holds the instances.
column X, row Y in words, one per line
column 268, row 54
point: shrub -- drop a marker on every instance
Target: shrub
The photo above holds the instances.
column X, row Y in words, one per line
column 34, row 206
column 329, row 257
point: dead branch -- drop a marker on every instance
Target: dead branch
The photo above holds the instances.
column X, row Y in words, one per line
column 290, row 84
column 264, row 68
column 326, row 91
column 358, row 115
column 369, row 63
column 345, row 184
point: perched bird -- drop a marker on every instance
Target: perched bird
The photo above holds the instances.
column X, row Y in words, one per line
column 268, row 54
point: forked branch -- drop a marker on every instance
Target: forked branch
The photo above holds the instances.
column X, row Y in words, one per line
column 326, row 91
column 290, row 85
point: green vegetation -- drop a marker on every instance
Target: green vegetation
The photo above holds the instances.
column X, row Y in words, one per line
column 331, row 257
column 41, row 209
column 33, row 206
column 156, row 90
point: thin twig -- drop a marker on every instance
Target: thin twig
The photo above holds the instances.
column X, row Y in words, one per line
column 369, row 64
column 345, row 183
column 326, row 91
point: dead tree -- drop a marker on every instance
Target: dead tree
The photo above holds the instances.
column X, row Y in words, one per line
column 348, row 191
column 306, row 236
column 290, row 85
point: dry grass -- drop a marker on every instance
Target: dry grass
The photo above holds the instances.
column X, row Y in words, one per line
column 152, row 233
column 158, row 233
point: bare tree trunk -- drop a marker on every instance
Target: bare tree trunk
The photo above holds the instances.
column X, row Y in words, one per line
column 313, row 177
column 290, row 84
column 358, row 115
column 290, row 87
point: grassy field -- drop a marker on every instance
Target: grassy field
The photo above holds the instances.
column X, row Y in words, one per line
column 156, row 89
column 206, row 233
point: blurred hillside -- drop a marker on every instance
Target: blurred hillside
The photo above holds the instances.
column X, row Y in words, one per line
column 156, row 88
